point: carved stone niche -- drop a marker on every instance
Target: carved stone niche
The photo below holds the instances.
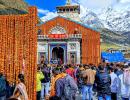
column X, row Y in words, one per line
column 57, row 30
column 72, row 46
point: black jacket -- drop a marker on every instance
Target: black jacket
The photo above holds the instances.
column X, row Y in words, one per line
column 103, row 82
column 46, row 73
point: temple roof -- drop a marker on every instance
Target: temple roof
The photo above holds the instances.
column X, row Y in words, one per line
column 77, row 22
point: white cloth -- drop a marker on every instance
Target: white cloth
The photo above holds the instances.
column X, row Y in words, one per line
column 114, row 83
column 22, row 89
column 124, row 89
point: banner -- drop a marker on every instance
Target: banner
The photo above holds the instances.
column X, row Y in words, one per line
column 57, row 36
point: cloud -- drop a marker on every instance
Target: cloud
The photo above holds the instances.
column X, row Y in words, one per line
column 83, row 11
column 95, row 4
column 49, row 16
column 42, row 11
column 124, row 1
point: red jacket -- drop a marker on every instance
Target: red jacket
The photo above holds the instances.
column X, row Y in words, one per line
column 70, row 71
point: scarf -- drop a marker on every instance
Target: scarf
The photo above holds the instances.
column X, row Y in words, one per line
column 53, row 81
column 22, row 90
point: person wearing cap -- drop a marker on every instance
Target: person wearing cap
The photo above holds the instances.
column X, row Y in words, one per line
column 20, row 91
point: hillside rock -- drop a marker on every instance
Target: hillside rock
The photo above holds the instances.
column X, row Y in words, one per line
column 118, row 20
column 13, row 7
column 109, row 36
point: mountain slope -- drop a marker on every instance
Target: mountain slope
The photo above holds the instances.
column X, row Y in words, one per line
column 13, row 7
column 107, row 35
column 116, row 20
column 127, row 34
column 92, row 20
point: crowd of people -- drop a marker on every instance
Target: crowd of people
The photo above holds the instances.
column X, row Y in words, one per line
column 107, row 81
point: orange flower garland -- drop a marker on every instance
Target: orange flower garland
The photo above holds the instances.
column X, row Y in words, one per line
column 18, row 48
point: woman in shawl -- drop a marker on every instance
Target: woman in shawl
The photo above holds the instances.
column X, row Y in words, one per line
column 20, row 90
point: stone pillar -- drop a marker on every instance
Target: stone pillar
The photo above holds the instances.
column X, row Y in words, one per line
column 73, row 50
column 42, row 48
column 78, row 52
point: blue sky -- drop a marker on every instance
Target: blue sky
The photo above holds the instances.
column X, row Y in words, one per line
column 46, row 8
column 49, row 5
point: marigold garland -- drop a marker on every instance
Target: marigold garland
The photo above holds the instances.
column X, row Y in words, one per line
column 18, row 48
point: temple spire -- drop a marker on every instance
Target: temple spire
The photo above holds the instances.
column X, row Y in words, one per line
column 69, row 10
column 68, row 2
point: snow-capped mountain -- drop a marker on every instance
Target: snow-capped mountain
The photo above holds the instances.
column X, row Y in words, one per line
column 92, row 20
column 110, row 23
column 110, row 18
column 117, row 21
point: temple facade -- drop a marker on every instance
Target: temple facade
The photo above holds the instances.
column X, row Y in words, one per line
column 66, row 40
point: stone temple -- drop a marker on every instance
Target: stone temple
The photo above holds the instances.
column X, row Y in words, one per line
column 65, row 39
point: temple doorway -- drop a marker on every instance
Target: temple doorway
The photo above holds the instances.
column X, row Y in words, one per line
column 58, row 54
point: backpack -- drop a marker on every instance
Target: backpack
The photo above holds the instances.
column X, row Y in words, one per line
column 70, row 87
column 80, row 79
column 2, row 87
column 126, row 77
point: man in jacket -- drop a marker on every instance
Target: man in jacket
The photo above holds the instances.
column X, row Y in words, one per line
column 79, row 75
column 39, row 77
column 46, row 81
column 56, row 75
column 89, row 78
column 114, row 84
column 65, row 87
column 103, row 83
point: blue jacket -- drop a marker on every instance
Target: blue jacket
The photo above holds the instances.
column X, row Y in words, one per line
column 103, row 82
column 47, row 74
column 119, row 72
column 60, row 87
column 60, row 83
